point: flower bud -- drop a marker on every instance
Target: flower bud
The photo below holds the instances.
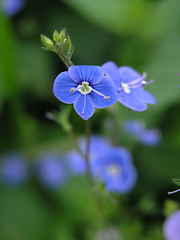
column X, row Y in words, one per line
column 49, row 45
column 66, row 47
column 56, row 37
column 62, row 35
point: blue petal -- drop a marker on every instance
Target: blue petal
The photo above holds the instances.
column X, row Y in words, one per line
column 10, row 7
column 144, row 96
column 107, row 88
column 125, row 182
column 89, row 107
column 111, row 70
column 62, row 85
column 131, row 101
column 128, row 74
column 92, row 74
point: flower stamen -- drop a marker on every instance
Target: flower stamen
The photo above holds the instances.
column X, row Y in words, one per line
column 72, row 90
column 174, row 191
column 84, row 104
column 100, row 94
column 146, row 83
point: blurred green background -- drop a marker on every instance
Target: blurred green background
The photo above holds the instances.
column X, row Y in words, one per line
column 143, row 34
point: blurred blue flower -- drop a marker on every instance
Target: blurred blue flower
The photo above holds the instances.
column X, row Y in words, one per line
column 171, row 226
column 13, row 170
column 50, row 170
column 151, row 137
column 11, row 7
column 86, row 87
column 115, row 168
column 129, row 84
column 75, row 160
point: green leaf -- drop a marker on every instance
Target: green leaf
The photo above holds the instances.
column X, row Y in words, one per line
column 176, row 181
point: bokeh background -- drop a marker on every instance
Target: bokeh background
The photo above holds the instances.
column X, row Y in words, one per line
column 143, row 34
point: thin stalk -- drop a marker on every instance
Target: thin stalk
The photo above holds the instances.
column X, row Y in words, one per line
column 87, row 155
column 115, row 126
column 64, row 59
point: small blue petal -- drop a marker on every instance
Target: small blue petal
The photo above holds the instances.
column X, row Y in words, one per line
column 50, row 170
column 14, row 170
column 150, row 137
column 111, row 71
column 62, row 85
column 128, row 74
column 144, row 96
column 133, row 127
column 11, row 7
column 84, row 107
column 92, row 74
column 76, row 163
column 131, row 101
column 171, row 227
column 125, row 183
column 107, row 88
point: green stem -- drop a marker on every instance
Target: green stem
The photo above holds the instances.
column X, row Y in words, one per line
column 87, row 155
column 115, row 126
column 64, row 59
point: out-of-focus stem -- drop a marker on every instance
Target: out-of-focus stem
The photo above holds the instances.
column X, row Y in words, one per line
column 87, row 154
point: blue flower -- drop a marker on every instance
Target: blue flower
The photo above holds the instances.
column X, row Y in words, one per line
column 171, row 226
column 11, row 7
column 129, row 84
column 151, row 137
column 86, row 87
column 50, row 171
column 14, row 170
column 75, row 160
column 115, row 168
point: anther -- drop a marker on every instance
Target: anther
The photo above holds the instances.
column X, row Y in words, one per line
column 145, row 83
column 72, row 90
column 106, row 97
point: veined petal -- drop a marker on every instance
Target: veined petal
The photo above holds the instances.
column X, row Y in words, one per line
column 91, row 74
column 62, row 85
column 144, row 96
column 128, row 74
column 107, row 88
column 84, row 107
column 131, row 101
column 111, row 71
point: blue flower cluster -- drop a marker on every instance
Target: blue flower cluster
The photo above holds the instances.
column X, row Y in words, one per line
column 171, row 226
column 90, row 87
column 111, row 165
column 49, row 170
column 151, row 137
column 11, row 7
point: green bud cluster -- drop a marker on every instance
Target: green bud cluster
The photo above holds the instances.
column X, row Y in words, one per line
column 61, row 45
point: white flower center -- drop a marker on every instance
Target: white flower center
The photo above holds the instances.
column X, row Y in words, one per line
column 113, row 169
column 85, row 88
column 125, row 87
